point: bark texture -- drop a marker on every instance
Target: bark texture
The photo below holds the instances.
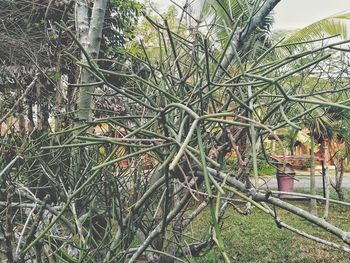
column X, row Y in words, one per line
column 90, row 36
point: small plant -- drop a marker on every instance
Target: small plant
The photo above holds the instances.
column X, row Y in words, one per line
column 265, row 168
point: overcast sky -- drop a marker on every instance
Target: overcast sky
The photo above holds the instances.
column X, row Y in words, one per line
column 291, row 14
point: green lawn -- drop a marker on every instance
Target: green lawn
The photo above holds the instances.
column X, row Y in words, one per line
column 256, row 238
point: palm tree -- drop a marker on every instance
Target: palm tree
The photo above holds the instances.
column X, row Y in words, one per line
column 241, row 26
column 233, row 22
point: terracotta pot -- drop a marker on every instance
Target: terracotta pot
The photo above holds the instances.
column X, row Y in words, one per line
column 285, row 181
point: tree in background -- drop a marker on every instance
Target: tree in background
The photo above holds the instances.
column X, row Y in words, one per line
column 35, row 46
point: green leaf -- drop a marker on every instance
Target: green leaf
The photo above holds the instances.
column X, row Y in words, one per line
column 329, row 26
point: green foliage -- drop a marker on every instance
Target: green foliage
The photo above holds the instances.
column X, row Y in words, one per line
column 148, row 34
column 54, row 75
column 120, row 22
column 230, row 15
column 342, row 129
column 320, row 125
column 173, row 116
column 329, row 26
column 307, row 163
column 266, row 169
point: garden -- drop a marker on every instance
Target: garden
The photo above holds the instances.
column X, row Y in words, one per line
column 134, row 134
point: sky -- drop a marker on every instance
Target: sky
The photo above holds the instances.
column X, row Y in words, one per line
column 293, row 14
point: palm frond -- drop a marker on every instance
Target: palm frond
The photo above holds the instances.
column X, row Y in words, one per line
column 329, row 26
column 224, row 14
column 227, row 14
column 321, row 125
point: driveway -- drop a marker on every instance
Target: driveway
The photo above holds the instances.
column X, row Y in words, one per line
column 303, row 180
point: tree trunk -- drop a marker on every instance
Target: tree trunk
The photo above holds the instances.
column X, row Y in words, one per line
column 339, row 173
column 325, row 155
column 243, row 35
column 59, row 96
column 339, row 182
column 90, row 38
column 339, row 179
column 313, row 203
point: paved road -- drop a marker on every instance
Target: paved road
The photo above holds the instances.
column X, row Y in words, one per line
column 303, row 181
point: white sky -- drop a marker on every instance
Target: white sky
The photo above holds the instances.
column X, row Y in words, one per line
column 292, row 14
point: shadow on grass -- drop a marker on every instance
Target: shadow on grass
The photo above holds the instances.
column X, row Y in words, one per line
column 256, row 237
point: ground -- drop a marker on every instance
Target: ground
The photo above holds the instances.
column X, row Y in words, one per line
column 256, row 237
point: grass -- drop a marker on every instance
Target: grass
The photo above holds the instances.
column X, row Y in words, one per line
column 266, row 169
column 332, row 193
column 256, row 238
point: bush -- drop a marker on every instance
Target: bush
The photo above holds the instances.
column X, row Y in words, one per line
column 266, row 169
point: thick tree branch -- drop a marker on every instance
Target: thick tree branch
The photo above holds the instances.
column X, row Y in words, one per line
column 261, row 197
